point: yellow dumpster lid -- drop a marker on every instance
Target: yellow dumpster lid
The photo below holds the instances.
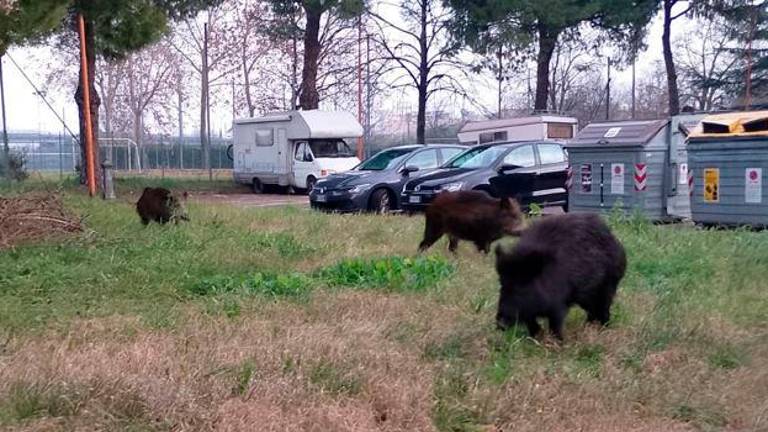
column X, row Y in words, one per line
column 745, row 123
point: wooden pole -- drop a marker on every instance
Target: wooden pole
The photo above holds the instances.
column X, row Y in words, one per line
column 89, row 159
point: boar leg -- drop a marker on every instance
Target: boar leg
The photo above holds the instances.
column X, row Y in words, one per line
column 556, row 318
column 432, row 233
column 533, row 326
column 483, row 246
column 599, row 311
column 453, row 243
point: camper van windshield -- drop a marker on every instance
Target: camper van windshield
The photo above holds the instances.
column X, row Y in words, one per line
column 384, row 160
column 330, row 148
column 475, row 157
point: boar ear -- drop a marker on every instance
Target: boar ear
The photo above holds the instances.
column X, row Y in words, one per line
column 508, row 203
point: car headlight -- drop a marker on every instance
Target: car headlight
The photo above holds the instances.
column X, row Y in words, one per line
column 359, row 188
column 327, row 172
column 452, row 187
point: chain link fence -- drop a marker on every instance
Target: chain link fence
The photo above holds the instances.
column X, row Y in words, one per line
column 61, row 153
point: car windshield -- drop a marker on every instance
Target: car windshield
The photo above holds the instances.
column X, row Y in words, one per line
column 384, row 160
column 477, row 157
column 323, row 148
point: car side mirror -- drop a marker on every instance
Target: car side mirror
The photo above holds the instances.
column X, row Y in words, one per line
column 409, row 169
column 508, row 167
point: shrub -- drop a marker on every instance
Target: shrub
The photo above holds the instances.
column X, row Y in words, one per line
column 15, row 166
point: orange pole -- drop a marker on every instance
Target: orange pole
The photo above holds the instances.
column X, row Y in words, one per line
column 89, row 157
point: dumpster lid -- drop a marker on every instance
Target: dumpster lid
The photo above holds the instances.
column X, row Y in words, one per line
column 619, row 133
column 736, row 124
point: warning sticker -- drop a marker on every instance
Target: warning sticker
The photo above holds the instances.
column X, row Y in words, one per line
column 711, row 185
column 586, row 178
column 753, row 185
column 682, row 176
column 612, row 132
column 617, row 179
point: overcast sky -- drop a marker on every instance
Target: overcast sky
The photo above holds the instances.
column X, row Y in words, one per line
column 26, row 111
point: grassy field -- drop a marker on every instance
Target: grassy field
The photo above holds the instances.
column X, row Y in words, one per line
column 283, row 319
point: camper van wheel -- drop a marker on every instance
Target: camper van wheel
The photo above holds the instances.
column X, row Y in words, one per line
column 310, row 184
column 257, row 186
column 381, row 202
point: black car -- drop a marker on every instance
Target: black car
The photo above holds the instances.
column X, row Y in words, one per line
column 376, row 184
column 531, row 172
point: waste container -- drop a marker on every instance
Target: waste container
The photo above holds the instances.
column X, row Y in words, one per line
column 728, row 154
column 632, row 165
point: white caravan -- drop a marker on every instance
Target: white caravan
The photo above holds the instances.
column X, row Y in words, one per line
column 294, row 148
column 537, row 127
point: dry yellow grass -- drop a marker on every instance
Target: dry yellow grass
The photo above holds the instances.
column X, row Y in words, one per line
column 684, row 353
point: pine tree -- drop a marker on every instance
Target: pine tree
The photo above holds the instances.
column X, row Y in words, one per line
column 487, row 24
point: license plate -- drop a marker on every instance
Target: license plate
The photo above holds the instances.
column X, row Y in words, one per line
column 414, row 199
column 321, row 198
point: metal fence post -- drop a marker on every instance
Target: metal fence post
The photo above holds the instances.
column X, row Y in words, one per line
column 108, row 184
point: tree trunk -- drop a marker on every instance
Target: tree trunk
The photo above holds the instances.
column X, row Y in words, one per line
column 204, row 102
column 309, row 97
column 547, row 42
column 421, row 118
column 95, row 103
column 248, row 97
column 180, row 114
column 421, row 115
column 669, row 60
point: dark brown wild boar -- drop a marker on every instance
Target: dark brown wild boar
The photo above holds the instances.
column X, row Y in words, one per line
column 161, row 206
column 560, row 261
column 473, row 216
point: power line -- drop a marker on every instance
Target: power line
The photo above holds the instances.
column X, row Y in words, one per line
column 41, row 94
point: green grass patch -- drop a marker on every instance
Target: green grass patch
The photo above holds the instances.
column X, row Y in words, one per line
column 396, row 274
column 271, row 285
column 451, row 412
column 726, row 356
column 26, row 401
column 330, row 378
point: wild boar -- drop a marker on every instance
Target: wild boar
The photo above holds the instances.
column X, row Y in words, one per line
column 161, row 206
column 473, row 216
column 559, row 261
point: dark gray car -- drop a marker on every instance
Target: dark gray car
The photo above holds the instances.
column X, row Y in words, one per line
column 531, row 172
column 376, row 184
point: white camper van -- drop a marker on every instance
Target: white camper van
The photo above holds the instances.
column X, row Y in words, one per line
column 531, row 128
column 294, row 148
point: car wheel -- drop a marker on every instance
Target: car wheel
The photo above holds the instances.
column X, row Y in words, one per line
column 311, row 181
column 381, row 201
column 257, row 186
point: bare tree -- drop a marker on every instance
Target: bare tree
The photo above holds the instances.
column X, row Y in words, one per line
column 148, row 78
column 705, row 63
column 423, row 53
column 110, row 76
column 211, row 34
column 572, row 69
column 256, row 56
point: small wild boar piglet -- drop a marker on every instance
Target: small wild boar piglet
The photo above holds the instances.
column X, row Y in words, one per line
column 473, row 216
column 558, row 262
column 160, row 205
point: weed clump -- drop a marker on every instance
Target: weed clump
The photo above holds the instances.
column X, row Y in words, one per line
column 291, row 285
column 396, row 274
